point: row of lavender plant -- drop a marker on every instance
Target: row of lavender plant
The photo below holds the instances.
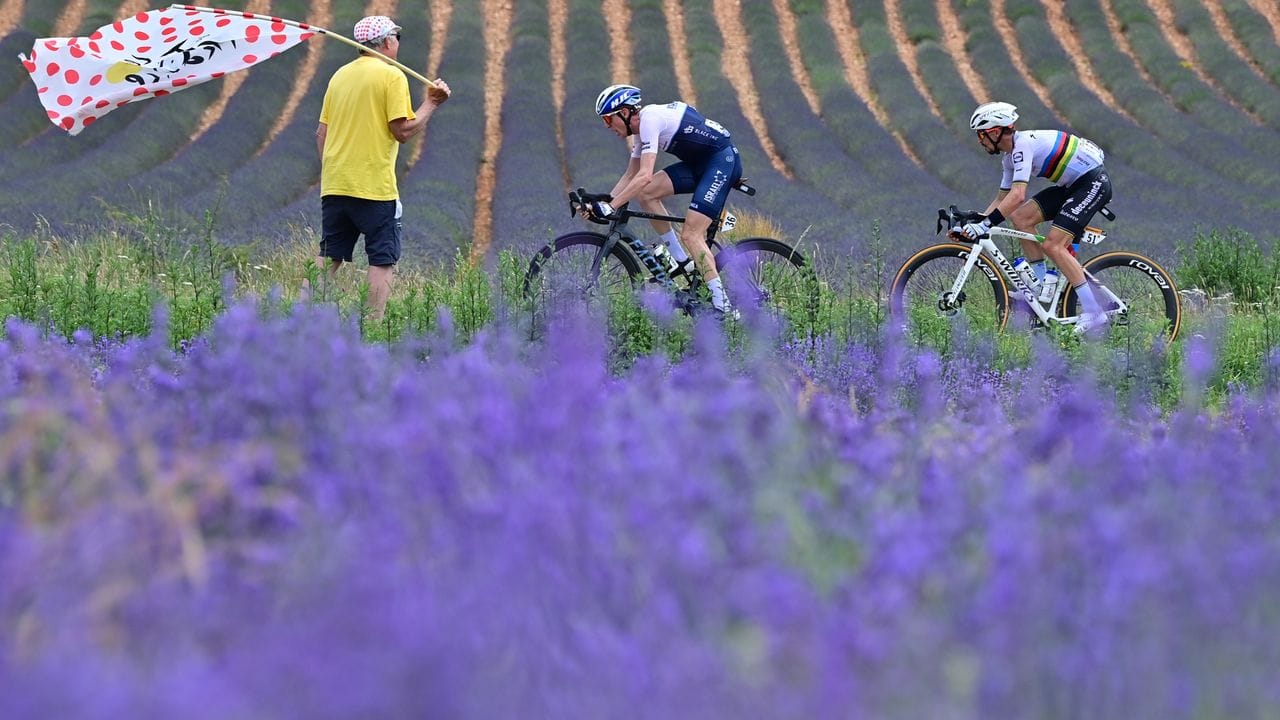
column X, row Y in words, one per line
column 1138, row 146
column 1172, row 127
column 1228, row 70
column 529, row 206
column 1254, row 33
column 439, row 192
column 231, row 142
column 594, row 157
column 1151, row 174
column 797, row 206
column 1165, row 67
column 946, row 87
column 287, row 168
column 817, row 157
column 1135, row 159
column 928, row 136
column 285, row 521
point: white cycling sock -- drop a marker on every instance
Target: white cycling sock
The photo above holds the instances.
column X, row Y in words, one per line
column 1085, row 293
column 718, row 298
column 673, row 244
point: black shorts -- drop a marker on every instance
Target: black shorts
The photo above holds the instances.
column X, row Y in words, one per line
column 344, row 219
column 1072, row 207
column 709, row 179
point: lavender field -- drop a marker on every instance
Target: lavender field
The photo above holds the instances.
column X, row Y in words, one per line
column 500, row 529
column 218, row 500
column 847, row 114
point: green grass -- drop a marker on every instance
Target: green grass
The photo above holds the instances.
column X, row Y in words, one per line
column 110, row 284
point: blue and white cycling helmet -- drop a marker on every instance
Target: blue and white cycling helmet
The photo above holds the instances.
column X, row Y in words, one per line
column 615, row 97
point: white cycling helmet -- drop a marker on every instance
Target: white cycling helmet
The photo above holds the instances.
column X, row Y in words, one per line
column 615, row 97
column 993, row 115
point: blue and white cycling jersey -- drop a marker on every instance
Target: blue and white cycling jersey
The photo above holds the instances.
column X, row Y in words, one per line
column 679, row 130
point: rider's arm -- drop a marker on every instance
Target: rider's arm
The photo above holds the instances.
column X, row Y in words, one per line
column 995, row 203
column 1009, row 200
column 633, row 166
column 641, row 177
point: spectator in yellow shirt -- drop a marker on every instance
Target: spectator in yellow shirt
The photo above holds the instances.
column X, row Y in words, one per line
column 367, row 113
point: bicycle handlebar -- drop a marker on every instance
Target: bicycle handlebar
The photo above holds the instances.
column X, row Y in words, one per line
column 953, row 216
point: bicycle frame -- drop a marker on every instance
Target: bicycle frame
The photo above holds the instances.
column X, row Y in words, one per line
column 616, row 234
column 1047, row 314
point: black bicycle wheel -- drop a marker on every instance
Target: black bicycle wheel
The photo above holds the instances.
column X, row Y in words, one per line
column 763, row 274
column 1154, row 309
column 921, row 296
column 560, row 275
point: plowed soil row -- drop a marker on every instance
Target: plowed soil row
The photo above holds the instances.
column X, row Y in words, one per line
column 497, row 38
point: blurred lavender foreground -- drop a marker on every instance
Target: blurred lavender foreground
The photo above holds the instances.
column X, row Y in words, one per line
column 287, row 522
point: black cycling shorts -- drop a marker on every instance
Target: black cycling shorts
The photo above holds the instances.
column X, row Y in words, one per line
column 709, row 178
column 344, row 219
column 1072, row 207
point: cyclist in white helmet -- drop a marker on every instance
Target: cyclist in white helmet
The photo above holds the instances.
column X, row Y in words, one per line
column 708, row 167
column 1080, row 188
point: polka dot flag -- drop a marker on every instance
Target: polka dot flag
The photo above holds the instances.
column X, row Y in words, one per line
column 151, row 54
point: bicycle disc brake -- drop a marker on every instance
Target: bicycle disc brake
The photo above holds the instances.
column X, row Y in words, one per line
column 950, row 304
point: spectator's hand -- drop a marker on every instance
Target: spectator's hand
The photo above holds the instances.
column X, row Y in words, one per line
column 439, row 92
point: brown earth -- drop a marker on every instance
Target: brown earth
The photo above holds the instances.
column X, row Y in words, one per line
column 10, row 15
column 849, row 46
column 230, row 84
column 953, row 40
column 321, row 15
column 617, row 20
column 68, row 22
column 1187, row 53
column 1223, row 26
column 132, row 7
column 679, row 53
column 497, row 38
column 791, row 44
column 737, row 68
column 1066, row 34
column 557, row 21
column 907, row 53
column 441, row 14
column 1270, row 10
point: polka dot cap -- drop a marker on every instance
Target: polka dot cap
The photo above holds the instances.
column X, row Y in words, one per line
column 374, row 27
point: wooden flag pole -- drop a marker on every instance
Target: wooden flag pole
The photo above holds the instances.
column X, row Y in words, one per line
column 318, row 30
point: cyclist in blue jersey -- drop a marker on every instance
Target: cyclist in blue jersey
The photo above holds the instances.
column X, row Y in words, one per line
column 1080, row 188
column 708, row 167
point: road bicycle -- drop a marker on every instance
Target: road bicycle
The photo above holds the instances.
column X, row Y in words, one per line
column 975, row 281
column 584, row 267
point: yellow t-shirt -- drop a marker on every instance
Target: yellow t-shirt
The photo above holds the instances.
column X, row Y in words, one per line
column 359, row 149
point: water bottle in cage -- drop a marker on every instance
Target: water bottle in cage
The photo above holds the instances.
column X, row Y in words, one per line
column 665, row 258
column 1050, row 287
column 1024, row 271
